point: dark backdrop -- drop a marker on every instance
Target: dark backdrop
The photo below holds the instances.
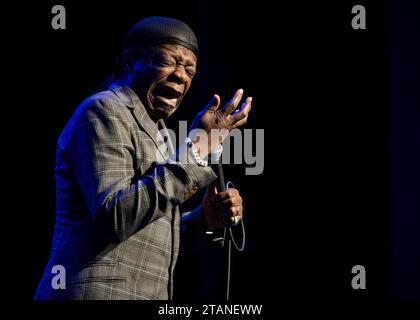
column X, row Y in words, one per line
column 320, row 88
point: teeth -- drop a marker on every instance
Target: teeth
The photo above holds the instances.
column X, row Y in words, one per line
column 170, row 101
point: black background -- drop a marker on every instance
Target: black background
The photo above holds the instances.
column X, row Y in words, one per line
column 322, row 94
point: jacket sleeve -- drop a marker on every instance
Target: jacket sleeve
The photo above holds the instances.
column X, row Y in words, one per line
column 101, row 151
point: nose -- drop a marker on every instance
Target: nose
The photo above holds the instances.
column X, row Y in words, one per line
column 180, row 75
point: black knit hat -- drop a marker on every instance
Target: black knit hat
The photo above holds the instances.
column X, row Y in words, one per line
column 159, row 30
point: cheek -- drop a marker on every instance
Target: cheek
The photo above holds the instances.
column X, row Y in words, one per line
column 154, row 77
column 146, row 74
column 187, row 86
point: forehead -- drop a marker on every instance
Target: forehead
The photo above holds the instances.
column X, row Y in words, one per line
column 178, row 52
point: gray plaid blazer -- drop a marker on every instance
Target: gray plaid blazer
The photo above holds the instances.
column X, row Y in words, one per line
column 117, row 213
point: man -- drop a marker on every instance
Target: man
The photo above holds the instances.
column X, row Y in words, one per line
column 118, row 193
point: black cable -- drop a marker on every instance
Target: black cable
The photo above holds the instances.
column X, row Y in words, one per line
column 221, row 186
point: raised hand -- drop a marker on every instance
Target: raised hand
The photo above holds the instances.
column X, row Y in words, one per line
column 223, row 119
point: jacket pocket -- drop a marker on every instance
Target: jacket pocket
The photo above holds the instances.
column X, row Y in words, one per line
column 104, row 279
column 99, row 271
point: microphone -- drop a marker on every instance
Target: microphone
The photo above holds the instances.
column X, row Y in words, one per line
column 221, row 186
column 216, row 161
column 220, row 177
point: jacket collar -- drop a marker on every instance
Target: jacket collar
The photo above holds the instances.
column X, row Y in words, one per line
column 126, row 95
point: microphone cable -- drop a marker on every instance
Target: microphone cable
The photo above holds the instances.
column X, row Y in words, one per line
column 221, row 186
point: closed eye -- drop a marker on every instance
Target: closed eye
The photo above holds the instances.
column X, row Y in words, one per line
column 190, row 71
column 166, row 63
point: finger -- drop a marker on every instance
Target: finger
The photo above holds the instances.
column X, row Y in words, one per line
column 227, row 203
column 242, row 114
column 245, row 108
column 229, row 193
column 214, row 103
column 235, row 220
column 240, row 123
column 226, row 214
column 235, row 211
column 229, row 215
column 233, row 103
column 224, row 205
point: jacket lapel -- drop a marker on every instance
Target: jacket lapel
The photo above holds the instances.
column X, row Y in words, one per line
column 164, row 130
column 132, row 101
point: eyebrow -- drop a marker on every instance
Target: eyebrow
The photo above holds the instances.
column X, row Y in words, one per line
column 180, row 58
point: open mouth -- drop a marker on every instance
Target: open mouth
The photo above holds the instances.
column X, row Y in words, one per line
column 167, row 94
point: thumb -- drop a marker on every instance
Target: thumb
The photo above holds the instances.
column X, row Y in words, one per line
column 214, row 103
column 212, row 188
